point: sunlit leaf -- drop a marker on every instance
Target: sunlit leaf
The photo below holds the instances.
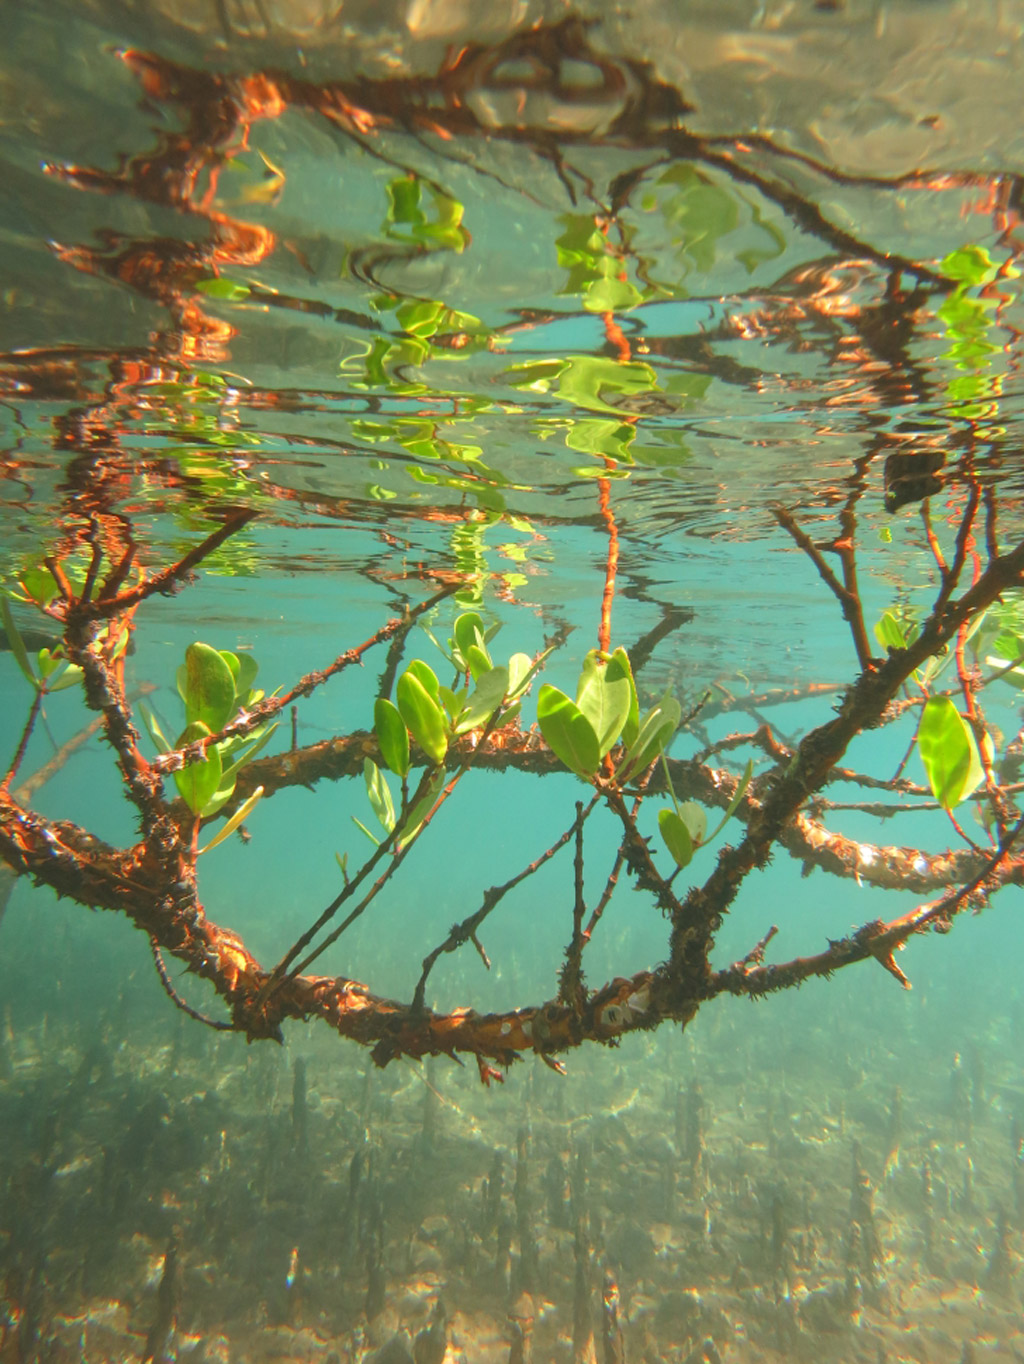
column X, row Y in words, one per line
column 49, row 661
column 242, row 813
column 604, row 695
column 567, row 731
column 426, row 677
column 949, row 752
column 522, row 669
column 224, row 792
column 468, row 631
column 70, row 677
column 392, row 735
column 453, row 700
column 632, row 726
column 423, row 715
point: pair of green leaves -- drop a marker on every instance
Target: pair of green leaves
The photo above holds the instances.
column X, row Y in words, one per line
column 51, row 671
column 382, row 803
column 582, row 732
column 215, row 685
column 684, row 827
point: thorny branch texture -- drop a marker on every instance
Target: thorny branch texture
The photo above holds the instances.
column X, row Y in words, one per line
column 154, row 882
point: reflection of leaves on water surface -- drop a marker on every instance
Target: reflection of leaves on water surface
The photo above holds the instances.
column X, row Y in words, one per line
column 655, row 214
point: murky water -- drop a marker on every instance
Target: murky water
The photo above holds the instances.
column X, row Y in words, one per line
column 691, row 333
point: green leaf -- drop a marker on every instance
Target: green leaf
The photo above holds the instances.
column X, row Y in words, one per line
column 56, row 671
column 611, row 296
column 453, row 701
column 604, row 695
column 380, row 794
column 426, row 677
column 521, row 671
column 655, row 731
column 257, row 740
column 198, row 783
column 599, row 436
column 372, row 837
column 632, row 726
column 243, row 812
column 231, row 290
column 588, row 378
column 468, row 631
column 155, row 732
column 970, row 265
column 39, row 585
column 219, row 799
column 695, row 818
column 891, row 632
column 423, row 715
column 392, row 736
column 70, row 677
column 677, row 836
column 567, row 731
column 949, row 752
column 737, row 796
column 209, row 687
column 17, row 644
column 479, row 662
column 486, row 699
column 422, row 807
column 243, row 669
column 49, row 662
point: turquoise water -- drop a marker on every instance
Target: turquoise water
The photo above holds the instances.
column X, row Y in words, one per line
column 493, row 301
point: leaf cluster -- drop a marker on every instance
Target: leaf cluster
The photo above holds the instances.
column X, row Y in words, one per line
column 216, row 687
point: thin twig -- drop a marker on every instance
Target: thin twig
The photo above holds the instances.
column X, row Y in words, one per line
column 465, row 931
column 219, row 1024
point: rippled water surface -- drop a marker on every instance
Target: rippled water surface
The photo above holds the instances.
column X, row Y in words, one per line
column 678, row 327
